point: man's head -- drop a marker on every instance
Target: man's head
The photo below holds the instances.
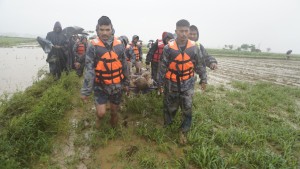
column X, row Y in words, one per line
column 194, row 34
column 167, row 36
column 135, row 39
column 83, row 39
column 182, row 30
column 57, row 27
column 104, row 28
column 124, row 40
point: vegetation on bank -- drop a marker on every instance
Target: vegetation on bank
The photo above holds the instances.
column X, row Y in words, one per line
column 6, row 41
column 30, row 119
column 249, row 126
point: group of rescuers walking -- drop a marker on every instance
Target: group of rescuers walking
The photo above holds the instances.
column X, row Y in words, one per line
column 174, row 62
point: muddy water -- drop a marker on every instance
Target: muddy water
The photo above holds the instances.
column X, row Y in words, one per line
column 283, row 72
column 19, row 67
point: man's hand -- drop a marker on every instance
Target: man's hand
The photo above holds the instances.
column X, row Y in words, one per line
column 160, row 90
column 213, row 66
column 203, row 86
column 84, row 98
column 77, row 65
column 126, row 90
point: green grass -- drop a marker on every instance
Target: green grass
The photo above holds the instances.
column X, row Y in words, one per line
column 30, row 119
column 251, row 126
column 6, row 41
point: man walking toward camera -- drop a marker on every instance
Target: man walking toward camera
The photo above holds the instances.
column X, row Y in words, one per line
column 180, row 60
column 106, row 71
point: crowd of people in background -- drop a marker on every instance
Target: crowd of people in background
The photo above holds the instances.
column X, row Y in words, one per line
column 107, row 61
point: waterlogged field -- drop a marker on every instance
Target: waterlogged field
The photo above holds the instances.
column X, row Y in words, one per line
column 19, row 67
column 6, row 41
column 278, row 71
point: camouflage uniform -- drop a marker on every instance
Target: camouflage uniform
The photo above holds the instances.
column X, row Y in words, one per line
column 103, row 93
column 138, row 61
column 156, row 49
column 208, row 59
column 130, row 58
column 79, row 59
column 179, row 94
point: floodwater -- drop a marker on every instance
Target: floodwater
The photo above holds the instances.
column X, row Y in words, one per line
column 19, row 67
column 283, row 72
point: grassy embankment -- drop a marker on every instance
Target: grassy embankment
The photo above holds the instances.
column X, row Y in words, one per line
column 6, row 41
column 30, row 119
column 251, row 126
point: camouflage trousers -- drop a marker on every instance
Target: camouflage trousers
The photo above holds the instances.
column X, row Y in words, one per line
column 172, row 102
column 154, row 69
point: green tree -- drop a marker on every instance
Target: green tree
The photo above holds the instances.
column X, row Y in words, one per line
column 244, row 46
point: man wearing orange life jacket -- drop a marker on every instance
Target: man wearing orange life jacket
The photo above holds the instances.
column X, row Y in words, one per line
column 106, row 71
column 137, row 52
column 130, row 56
column 181, row 58
column 155, row 52
column 79, row 51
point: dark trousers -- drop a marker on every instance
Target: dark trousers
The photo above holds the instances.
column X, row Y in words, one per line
column 172, row 102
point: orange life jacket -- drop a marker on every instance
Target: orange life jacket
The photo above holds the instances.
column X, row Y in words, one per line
column 80, row 49
column 108, row 67
column 159, row 50
column 136, row 52
column 181, row 67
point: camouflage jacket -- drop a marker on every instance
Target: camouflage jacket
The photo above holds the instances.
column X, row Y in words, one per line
column 130, row 54
column 166, row 59
column 89, row 77
column 208, row 59
column 140, row 51
column 78, row 58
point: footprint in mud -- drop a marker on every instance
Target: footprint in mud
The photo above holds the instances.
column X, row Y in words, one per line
column 131, row 151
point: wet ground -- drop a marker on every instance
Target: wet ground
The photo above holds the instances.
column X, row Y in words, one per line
column 19, row 67
column 73, row 151
column 283, row 72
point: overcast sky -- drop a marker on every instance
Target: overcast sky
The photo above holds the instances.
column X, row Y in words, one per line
column 264, row 23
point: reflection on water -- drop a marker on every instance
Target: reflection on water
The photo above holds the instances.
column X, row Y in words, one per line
column 19, row 67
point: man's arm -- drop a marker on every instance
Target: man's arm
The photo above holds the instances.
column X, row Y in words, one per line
column 210, row 61
column 151, row 53
column 122, row 58
column 141, row 53
column 132, row 55
column 199, row 68
column 89, row 76
column 163, row 65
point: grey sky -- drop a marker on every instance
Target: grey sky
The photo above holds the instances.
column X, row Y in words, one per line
column 265, row 23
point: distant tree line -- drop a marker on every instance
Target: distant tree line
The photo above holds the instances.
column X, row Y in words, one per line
column 244, row 47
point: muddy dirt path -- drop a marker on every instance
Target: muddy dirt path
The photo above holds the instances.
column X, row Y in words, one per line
column 283, row 72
